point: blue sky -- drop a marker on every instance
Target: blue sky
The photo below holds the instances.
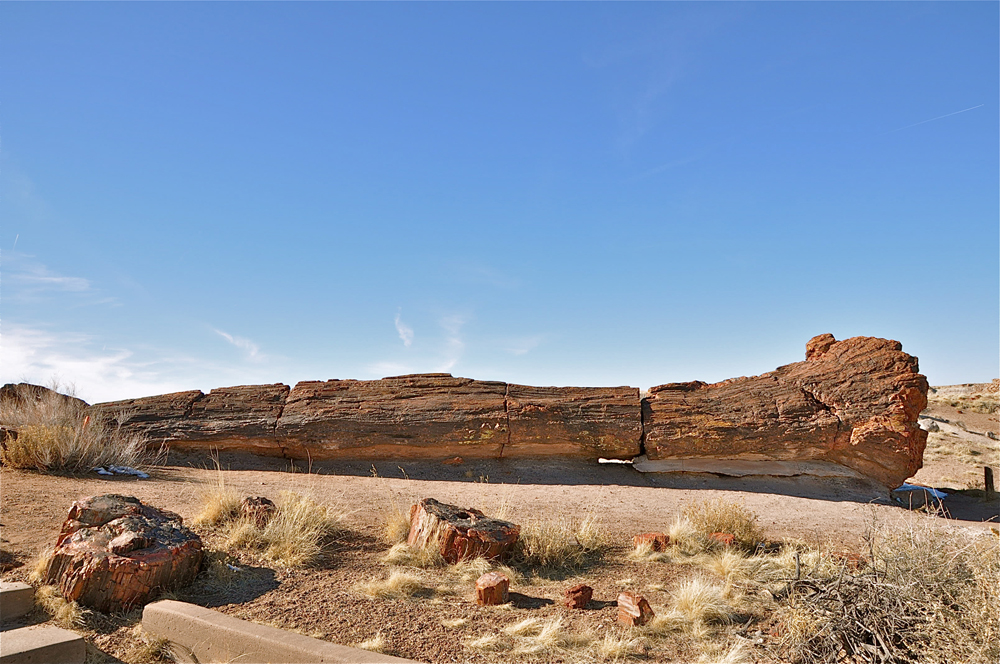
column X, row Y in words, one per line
column 198, row 195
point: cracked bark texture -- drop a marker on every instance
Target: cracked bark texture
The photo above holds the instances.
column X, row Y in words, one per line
column 853, row 402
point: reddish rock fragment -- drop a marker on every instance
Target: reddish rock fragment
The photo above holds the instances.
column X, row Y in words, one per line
column 258, row 510
column 492, row 589
column 456, row 461
column 725, row 539
column 579, row 596
column 114, row 553
column 852, row 561
column 459, row 534
column 656, row 541
column 634, row 610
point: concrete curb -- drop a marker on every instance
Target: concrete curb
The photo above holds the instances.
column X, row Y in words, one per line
column 16, row 599
column 43, row 644
column 201, row 635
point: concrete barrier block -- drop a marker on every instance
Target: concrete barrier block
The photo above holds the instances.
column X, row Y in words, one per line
column 41, row 644
column 16, row 599
column 197, row 634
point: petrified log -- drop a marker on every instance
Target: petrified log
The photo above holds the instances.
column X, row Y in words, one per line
column 416, row 416
column 591, row 422
column 492, row 589
column 634, row 610
column 241, row 417
column 578, row 596
column 114, row 552
column 656, row 541
column 459, row 534
column 852, row 402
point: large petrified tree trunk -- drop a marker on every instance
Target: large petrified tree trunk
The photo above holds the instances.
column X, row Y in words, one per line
column 853, row 402
column 114, row 552
column 459, row 534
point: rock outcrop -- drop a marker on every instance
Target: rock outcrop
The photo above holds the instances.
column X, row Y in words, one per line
column 114, row 552
column 850, row 407
column 574, row 421
column 853, row 402
column 417, row 416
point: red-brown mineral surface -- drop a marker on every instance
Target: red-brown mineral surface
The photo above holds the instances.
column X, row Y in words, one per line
column 589, row 422
column 459, row 534
column 114, row 553
column 656, row 541
column 634, row 610
column 853, row 402
column 492, row 589
column 578, row 596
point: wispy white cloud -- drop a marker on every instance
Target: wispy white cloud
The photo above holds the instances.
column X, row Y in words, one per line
column 405, row 331
column 250, row 349
column 384, row 369
column 454, row 346
column 26, row 278
column 39, row 356
column 523, row 345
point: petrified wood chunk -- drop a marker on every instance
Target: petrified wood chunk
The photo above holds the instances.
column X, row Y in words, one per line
column 656, row 541
column 579, row 596
column 459, row 534
column 852, row 402
column 114, row 552
column 417, row 416
column 492, row 589
column 634, row 610
column 725, row 539
column 591, row 422
column 257, row 509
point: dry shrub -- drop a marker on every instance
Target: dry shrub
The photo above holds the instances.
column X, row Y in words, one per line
column 55, row 433
column 560, row 545
column 928, row 595
column 220, row 505
column 723, row 516
column 404, row 555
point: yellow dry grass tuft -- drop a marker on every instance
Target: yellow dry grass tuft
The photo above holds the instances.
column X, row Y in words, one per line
column 148, row 648
column 67, row 615
column 618, row 647
column 723, row 516
column 697, row 601
column 377, row 643
column 57, row 433
column 398, row 585
column 559, row 545
column 404, row 555
column 455, row 623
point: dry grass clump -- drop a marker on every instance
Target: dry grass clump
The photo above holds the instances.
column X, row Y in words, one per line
column 560, row 545
column 67, row 615
column 295, row 536
column 927, row 595
column 533, row 638
column 398, row 585
column 697, row 601
column 395, row 523
column 148, row 648
column 377, row 643
column 404, row 555
column 723, row 516
column 55, row 433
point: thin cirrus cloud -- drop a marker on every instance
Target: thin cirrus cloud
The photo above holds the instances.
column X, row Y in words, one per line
column 405, row 331
column 26, row 277
column 249, row 348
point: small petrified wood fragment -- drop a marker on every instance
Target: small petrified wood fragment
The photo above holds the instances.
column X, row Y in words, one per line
column 459, row 534
column 579, row 596
column 257, row 509
column 634, row 610
column 114, row 553
column 656, row 541
column 725, row 539
column 492, row 589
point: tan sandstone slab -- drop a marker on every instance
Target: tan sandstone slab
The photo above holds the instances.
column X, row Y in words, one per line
column 41, row 644
column 198, row 634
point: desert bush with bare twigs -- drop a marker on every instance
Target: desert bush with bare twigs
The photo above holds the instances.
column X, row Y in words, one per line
column 926, row 595
column 52, row 432
column 724, row 516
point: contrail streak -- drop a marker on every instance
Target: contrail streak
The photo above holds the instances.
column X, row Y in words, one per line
column 947, row 115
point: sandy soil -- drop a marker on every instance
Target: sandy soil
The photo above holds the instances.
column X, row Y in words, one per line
column 324, row 601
